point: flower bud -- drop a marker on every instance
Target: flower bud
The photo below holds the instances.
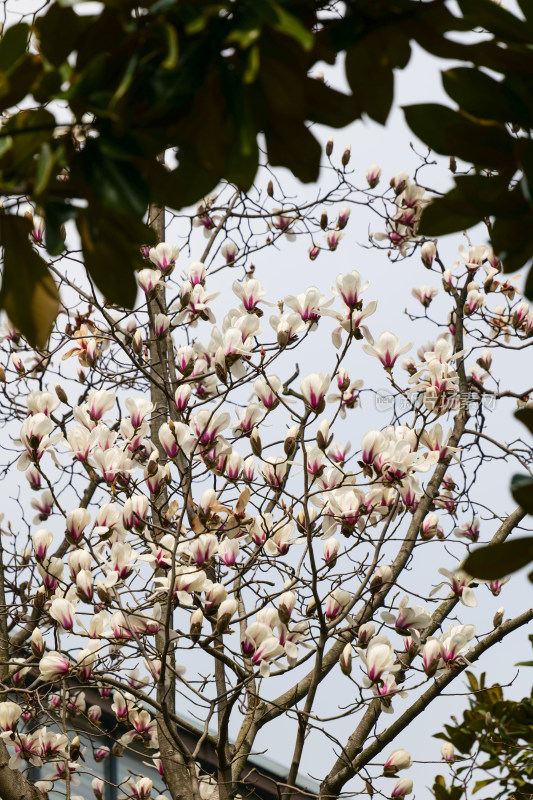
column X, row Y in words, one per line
column 42, row 540
column 329, row 147
column 94, row 713
column 498, row 617
column 9, row 714
column 342, row 219
column 345, row 160
column 408, row 365
column 105, row 595
column 61, row 393
column 144, row 788
column 76, row 522
column 270, row 189
column 37, row 643
column 311, row 608
column 431, row 656
column 75, row 747
column 225, row 612
column 382, row 576
column 313, row 251
column 255, row 443
column 429, row 526
column 161, row 325
column 365, row 633
column 428, row 252
column 345, row 659
column 40, row 597
column 447, row 280
column 485, row 360
column 84, row 585
column 289, row 444
column 331, row 548
column 101, row 752
column 373, row 174
column 17, row 363
column 448, row 752
column 97, row 786
column 197, row 619
column 54, row 666
column 137, row 342
column 403, row 787
column 287, row 601
column 323, row 438
column 398, row 759
column 248, row 469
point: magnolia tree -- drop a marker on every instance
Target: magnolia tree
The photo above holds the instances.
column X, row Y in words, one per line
column 206, row 541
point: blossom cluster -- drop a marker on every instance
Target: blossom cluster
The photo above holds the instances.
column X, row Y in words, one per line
column 199, row 507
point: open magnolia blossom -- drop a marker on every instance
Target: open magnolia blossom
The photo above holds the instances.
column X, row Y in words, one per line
column 234, row 518
column 459, row 582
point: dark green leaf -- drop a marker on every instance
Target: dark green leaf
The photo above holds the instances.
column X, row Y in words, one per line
column 115, row 183
column 29, row 130
column 290, row 25
column 162, row 6
column 497, row 20
column 472, row 680
column 370, row 64
column 525, row 162
column 111, row 251
column 473, row 198
column 441, row 792
column 512, row 240
column 525, row 416
column 294, row 146
column 284, row 94
column 29, row 294
column 528, row 289
column 462, row 739
column 182, row 186
column 244, row 37
column 483, row 96
column 47, row 85
column 330, row 107
column 450, row 133
column 45, row 169
column 58, row 32
column 439, row 218
column 499, row 560
column 19, row 83
column 522, row 491
column 480, row 784
column 18, row 68
column 56, row 213
column 491, row 763
column 173, row 51
column 13, row 46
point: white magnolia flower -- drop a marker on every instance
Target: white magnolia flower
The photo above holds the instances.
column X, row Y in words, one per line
column 459, row 582
column 378, row 658
column 387, row 349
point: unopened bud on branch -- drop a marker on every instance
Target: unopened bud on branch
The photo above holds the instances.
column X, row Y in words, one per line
column 61, row 393
column 346, row 156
